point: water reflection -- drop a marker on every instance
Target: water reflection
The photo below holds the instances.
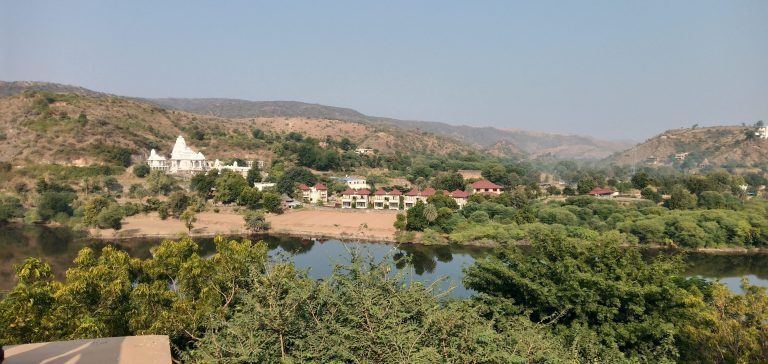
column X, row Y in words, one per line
column 59, row 246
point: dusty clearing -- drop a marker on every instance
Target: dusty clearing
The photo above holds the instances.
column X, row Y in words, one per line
column 328, row 223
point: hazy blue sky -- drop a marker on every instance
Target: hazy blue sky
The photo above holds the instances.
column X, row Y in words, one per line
column 613, row 69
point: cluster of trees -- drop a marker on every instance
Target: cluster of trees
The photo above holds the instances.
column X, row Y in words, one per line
column 567, row 300
column 231, row 187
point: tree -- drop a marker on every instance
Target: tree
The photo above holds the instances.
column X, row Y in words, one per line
column 416, row 221
column 111, row 217
column 649, row 193
column 203, row 183
column 681, row 199
column 256, row 222
column 93, row 207
column 640, row 180
column 593, row 289
column 10, row 208
column 585, row 185
column 293, row 176
column 141, row 170
column 430, row 213
column 51, row 204
column 160, row 183
column 272, row 202
column 400, row 222
column 257, row 133
column 449, row 181
column 189, row 216
column 254, row 175
column 553, row 191
column 229, row 185
column 177, row 203
column 250, row 197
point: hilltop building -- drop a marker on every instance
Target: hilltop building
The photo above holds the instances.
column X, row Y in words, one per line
column 185, row 160
column 356, row 183
column 762, row 132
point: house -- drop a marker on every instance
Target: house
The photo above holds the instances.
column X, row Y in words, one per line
column 602, row 192
column 470, row 173
column 681, row 156
column 261, row 186
column 461, row 197
column 315, row 194
column 290, row 203
column 386, row 200
column 356, row 183
column 243, row 170
column 486, row 187
column 415, row 195
column 355, row 199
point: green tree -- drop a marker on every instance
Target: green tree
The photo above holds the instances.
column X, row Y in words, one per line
column 250, row 197
column 416, row 221
column 160, row 183
column 10, row 208
column 640, row 180
column 649, row 193
column 449, row 181
column 430, row 213
column 141, row 170
column 596, row 291
column 203, row 183
column 292, row 177
column 254, row 175
column 51, row 204
column 272, row 202
column 189, row 216
column 681, row 199
column 229, row 185
column 111, row 217
column 585, row 185
column 256, row 222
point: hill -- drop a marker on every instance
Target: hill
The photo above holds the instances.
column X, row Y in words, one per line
column 533, row 143
column 83, row 128
column 526, row 142
column 698, row 147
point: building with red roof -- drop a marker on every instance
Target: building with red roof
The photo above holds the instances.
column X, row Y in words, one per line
column 459, row 196
column 355, row 199
column 386, row 199
column 315, row 194
column 603, row 192
column 415, row 195
column 486, row 187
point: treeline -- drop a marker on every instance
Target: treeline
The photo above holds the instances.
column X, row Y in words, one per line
column 700, row 211
column 566, row 300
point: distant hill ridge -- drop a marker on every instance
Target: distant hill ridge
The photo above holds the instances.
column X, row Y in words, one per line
column 484, row 138
column 698, row 147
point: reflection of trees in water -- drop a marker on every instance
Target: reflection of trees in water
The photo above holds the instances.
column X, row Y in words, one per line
column 294, row 246
column 728, row 265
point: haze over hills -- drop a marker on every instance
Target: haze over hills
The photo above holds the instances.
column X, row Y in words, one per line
column 698, row 147
column 39, row 128
column 517, row 142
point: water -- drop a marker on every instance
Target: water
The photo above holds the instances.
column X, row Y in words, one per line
column 59, row 246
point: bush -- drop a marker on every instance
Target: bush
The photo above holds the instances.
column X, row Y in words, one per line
column 141, row 171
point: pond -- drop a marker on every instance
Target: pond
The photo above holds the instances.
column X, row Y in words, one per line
column 59, row 246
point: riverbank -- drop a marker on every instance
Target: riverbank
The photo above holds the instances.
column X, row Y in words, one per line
column 367, row 225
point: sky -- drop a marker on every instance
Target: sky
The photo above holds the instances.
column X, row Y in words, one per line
column 611, row 69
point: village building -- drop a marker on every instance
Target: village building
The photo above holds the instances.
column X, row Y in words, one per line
column 386, row 200
column 356, row 183
column 603, row 193
column 357, row 199
column 315, row 194
column 415, row 195
column 261, row 186
column 461, row 197
column 486, row 187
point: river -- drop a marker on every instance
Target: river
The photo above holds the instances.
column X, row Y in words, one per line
column 58, row 247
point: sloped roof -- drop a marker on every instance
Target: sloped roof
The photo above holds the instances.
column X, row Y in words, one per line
column 459, row 194
column 601, row 191
column 486, row 184
column 303, row 187
column 321, row 186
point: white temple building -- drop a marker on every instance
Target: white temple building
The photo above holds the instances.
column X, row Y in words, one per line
column 185, row 160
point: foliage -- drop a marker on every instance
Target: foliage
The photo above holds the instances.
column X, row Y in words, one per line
column 415, row 219
column 292, row 177
column 256, row 222
column 160, row 183
column 630, row 306
column 229, row 185
column 189, row 216
column 362, row 314
column 10, row 208
column 253, row 176
column 272, row 202
column 141, row 170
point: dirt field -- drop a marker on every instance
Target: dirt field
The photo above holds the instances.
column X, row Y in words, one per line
column 330, row 223
column 362, row 224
